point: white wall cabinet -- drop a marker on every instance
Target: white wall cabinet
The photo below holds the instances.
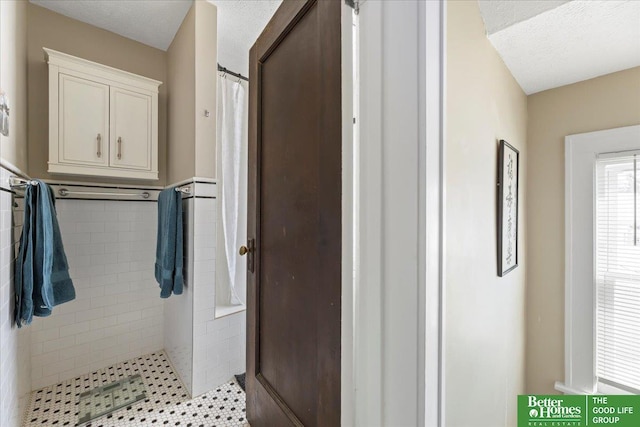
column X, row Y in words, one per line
column 130, row 142
column 102, row 121
column 83, row 111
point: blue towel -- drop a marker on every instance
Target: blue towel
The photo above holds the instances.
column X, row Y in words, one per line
column 42, row 273
column 169, row 244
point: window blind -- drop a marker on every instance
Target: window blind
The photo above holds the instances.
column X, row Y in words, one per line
column 617, row 270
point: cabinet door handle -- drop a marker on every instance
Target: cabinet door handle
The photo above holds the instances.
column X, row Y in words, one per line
column 99, row 139
column 119, row 147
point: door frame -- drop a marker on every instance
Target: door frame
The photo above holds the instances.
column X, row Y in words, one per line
column 349, row 259
column 372, row 393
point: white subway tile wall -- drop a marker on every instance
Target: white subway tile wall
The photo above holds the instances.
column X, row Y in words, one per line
column 15, row 383
column 219, row 344
column 205, row 351
column 178, row 310
column 117, row 314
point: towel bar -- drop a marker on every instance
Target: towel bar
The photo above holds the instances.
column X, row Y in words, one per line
column 64, row 192
column 185, row 190
column 15, row 181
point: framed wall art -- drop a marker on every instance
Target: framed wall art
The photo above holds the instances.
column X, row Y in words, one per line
column 508, row 172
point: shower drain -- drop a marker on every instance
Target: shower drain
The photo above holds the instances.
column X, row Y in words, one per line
column 108, row 398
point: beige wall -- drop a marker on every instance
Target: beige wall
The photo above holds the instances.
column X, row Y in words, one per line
column 55, row 31
column 602, row 103
column 13, row 80
column 181, row 75
column 206, row 88
column 484, row 315
column 192, row 74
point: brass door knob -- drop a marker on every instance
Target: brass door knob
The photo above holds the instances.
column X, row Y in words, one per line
column 244, row 250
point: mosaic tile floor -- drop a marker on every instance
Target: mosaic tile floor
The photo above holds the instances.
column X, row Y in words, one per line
column 167, row 402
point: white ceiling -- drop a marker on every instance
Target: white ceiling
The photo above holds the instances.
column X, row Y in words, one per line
column 152, row 22
column 554, row 43
column 155, row 22
column 499, row 14
column 544, row 43
column 240, row 22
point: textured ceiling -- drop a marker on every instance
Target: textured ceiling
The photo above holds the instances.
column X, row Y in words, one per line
column 574, row 41
column 155, row 22
column 545, row 44
column 240, row 22
column 500, row 14
column 152, row 22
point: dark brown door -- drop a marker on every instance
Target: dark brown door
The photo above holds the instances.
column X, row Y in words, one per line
column 294, row 218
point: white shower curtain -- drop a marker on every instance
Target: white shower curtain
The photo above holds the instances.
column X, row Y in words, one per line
column 232, row 133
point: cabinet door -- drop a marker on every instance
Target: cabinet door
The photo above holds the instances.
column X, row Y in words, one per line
column 83, row 121
column 130, row 130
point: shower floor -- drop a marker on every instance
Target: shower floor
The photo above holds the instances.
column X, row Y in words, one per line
column 167, row 401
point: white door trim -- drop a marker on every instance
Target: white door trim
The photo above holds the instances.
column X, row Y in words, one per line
column 433, row 35
column 392, row 281
column 349, row 199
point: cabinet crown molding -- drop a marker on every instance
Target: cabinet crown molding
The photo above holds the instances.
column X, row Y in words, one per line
column 64, row 60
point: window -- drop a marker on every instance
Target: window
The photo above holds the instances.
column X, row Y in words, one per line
column 617, row 271
column 602, row 262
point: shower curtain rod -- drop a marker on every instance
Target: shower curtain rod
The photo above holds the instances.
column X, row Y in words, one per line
column 231, row 73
